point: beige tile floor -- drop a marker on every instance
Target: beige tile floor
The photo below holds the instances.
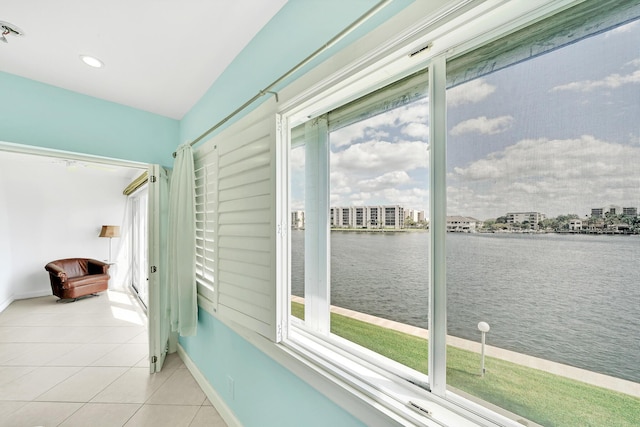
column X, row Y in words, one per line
column 85, row 364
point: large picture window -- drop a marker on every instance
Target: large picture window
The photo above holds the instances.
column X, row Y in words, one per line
column 540, row 258
column 542, row 164
column 374, row 266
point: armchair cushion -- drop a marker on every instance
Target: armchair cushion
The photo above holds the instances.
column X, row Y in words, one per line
column 76, row 277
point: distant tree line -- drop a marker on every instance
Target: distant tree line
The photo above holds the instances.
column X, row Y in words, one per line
column 561, row 223
column 411, row 223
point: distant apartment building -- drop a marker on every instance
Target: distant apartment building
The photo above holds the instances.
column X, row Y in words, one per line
column 607, row 210
column 367, row 217
column 532, row 218
column 297, row 220
column 613, row 210
column 415, row 215
column 462, row 224
column 597, row 212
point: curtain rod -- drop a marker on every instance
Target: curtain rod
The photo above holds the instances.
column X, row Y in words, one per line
column 355, row 24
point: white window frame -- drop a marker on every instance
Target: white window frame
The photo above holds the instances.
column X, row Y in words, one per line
column 393, row 391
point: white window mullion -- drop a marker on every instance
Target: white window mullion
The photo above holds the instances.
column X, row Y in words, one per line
column 317, row 269
column 437, row 226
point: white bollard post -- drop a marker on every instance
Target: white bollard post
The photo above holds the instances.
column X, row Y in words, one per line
column 484, row 328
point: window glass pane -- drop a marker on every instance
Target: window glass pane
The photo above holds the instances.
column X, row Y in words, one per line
column 297, row 203
column 544, row 237
column 379, row 241
column 372, row 158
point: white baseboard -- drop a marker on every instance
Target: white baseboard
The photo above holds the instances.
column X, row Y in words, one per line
column 217, row 401
column 33, row 294
column 6, row 303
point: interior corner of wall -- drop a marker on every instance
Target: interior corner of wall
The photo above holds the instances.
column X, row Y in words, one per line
column 6, row 303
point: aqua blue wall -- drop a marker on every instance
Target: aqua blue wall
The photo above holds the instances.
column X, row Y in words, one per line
column 34, row 113
column 267, row 394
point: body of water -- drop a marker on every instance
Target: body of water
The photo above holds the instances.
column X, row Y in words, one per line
column 573, row 299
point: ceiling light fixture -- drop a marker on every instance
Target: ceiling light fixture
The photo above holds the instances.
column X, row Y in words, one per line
column 7, row 29
column 92, row 61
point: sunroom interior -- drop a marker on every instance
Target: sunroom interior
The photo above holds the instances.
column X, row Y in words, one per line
column 328, row 96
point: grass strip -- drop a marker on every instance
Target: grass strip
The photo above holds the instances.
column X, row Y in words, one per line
column 542, row 397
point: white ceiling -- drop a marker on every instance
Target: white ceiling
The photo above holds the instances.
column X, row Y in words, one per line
column 160, row 55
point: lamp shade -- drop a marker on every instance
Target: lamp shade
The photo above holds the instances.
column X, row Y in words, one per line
column 110, row 231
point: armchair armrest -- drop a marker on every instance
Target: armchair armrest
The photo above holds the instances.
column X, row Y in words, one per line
column 56, row 271
column 97, row 267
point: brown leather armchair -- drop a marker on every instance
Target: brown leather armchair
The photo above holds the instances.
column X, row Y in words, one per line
column 77, row 277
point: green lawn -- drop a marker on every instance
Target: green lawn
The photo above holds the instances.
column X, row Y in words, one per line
column 544, row 398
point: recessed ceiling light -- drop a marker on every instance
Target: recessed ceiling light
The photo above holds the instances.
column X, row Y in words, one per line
column 7, row 29
column 92, row 61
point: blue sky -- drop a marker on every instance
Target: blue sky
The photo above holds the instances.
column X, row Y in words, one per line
column 558, row 134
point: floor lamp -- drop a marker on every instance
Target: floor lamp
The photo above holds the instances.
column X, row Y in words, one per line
column 110, row 231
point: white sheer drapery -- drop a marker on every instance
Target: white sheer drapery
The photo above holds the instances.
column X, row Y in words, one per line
column 121, row 277
column 182, row 243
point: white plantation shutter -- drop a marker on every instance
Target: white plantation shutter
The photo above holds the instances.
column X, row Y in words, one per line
column 241, row 185
column 206, row 168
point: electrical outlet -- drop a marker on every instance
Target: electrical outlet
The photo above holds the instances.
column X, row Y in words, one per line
column 230, row 387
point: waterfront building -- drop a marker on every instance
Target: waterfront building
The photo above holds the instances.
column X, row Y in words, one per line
column 532, row 218
column 393, row 217
column 297, row 220
column 575, row 224
column 390, row 216
column 462, row 224
column 630, row 212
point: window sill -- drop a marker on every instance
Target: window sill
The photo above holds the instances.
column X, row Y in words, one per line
column 375, row 399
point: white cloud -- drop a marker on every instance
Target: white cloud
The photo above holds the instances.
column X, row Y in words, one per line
column 612, row 81
column 357, row 199
column 340, row 182
column 414, row 117
column 416, row 130
column 483, row 125
column 378, row 160
column 387, row 180
column 347, row 135
column 469, row 93
column 548, row 176
column 376, row 134
column 633, row 63
column 412, row 197
column 380, row 172
column 381, row 157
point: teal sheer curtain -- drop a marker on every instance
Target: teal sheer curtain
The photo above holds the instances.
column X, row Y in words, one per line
column 182, row 244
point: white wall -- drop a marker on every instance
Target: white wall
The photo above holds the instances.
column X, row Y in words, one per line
column 6, row 261
column 50, row 209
